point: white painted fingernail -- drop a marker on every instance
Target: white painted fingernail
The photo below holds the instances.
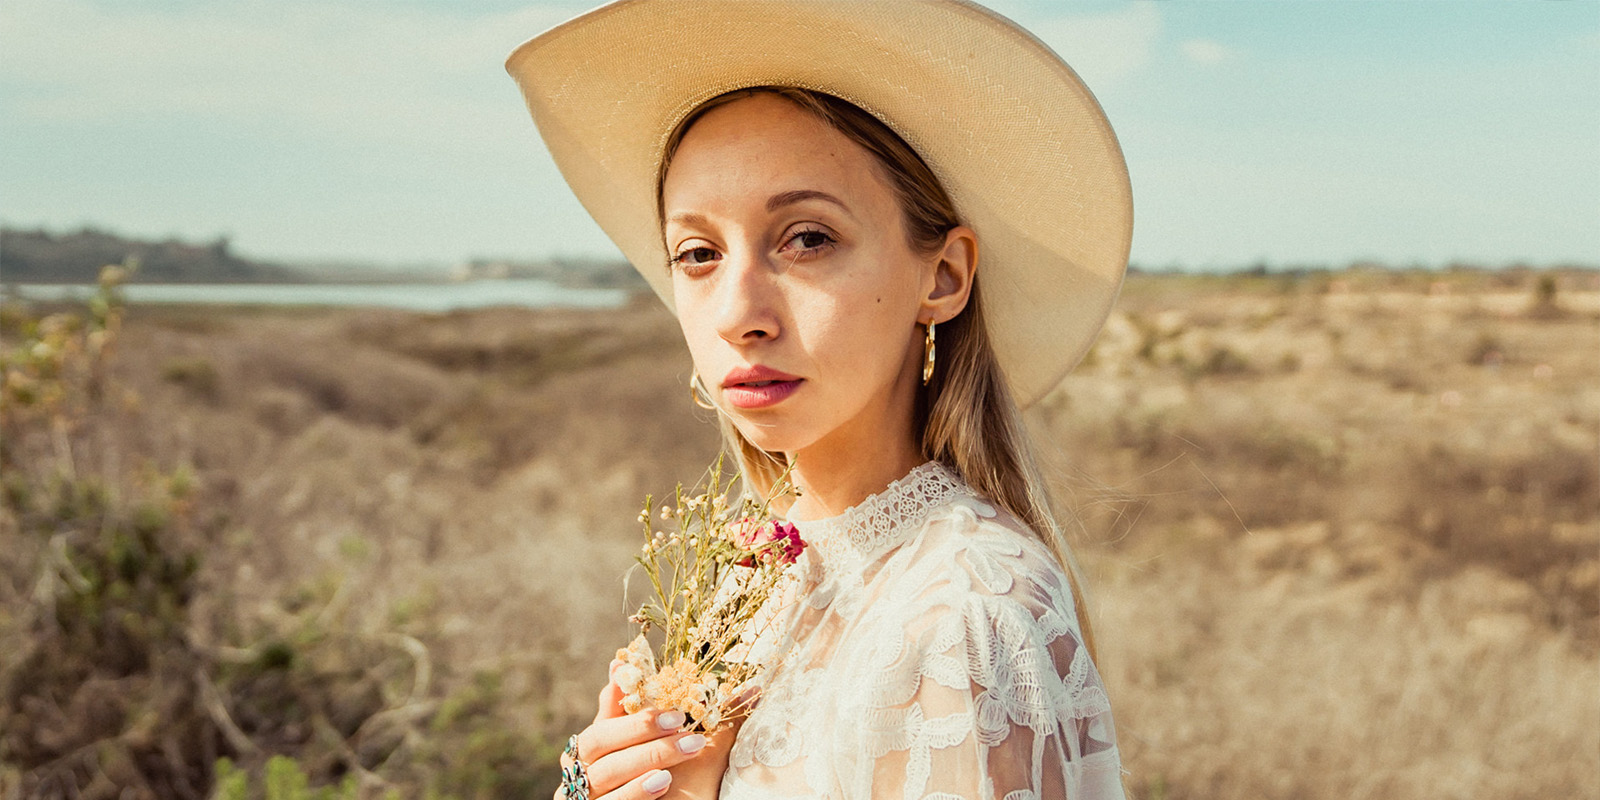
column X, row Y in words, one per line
column 657, row 781
column 670, row 720
column 691, row 743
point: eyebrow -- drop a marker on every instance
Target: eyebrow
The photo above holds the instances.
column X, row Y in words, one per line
column 774, row 203
column 791, row 197
column 688, row 218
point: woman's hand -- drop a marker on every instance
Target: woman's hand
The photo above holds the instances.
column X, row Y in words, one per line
column 700, row 778
column 627, row 755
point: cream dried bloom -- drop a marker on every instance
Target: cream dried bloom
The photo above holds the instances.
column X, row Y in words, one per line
column 712, row 577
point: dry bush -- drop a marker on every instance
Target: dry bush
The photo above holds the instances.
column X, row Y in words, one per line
column 148, row 629
column 1270, row 669
column 1372, row 575
column 1375, row 576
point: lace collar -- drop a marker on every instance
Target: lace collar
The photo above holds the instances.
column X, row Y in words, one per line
column 883, row 519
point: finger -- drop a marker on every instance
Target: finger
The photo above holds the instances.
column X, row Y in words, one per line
column 746, row 695
column 650, row 784
column 610, row 735
column 609, row 704
column 615, row 769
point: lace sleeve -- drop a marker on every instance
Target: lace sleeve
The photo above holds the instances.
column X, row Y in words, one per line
column 1002, row 699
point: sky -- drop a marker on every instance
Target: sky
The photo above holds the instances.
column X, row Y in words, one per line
column 1312, row 132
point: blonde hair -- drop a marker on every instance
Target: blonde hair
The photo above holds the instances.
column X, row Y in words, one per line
column 967, row 417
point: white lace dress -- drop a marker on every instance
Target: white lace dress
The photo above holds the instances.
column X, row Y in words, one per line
column 931, row 651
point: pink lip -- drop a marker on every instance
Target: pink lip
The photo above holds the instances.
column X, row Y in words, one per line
column 738, row 391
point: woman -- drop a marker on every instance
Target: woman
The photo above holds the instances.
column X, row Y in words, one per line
column 822, row 248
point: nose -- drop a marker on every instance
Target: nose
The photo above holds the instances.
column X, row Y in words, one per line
column 747, row 301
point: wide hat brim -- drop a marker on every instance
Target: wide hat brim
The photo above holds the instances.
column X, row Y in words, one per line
column 1019, row 142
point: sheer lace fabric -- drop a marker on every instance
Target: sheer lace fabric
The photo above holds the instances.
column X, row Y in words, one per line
column 929, row 649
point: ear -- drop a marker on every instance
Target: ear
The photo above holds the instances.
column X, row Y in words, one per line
column 949, row 284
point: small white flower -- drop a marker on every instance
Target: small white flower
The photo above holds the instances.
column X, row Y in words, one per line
column 628, row 678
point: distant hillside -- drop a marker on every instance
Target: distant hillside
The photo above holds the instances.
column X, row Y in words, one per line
column 38, row 256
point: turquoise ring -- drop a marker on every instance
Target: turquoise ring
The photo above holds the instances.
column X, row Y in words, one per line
column 574, row 775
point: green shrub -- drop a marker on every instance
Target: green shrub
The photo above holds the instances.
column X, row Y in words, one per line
column 282, row 778
column 195, row 374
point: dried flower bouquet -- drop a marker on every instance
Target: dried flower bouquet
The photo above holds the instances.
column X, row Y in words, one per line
column 717, row 576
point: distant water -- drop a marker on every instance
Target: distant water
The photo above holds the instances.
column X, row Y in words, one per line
column 410, row 296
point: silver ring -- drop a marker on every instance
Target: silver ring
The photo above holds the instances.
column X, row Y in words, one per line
column 574, row 776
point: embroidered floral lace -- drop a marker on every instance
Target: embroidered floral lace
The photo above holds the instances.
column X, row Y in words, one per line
column 930, row 649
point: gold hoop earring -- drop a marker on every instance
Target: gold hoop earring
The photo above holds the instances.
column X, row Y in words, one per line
column 927, row 355
column 700, row 394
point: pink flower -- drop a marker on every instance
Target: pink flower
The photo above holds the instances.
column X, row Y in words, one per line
column 767, row 541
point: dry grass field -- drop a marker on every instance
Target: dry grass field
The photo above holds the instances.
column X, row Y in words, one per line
column 1342, row 533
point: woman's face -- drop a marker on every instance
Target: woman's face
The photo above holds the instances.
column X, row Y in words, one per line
column 795, row 286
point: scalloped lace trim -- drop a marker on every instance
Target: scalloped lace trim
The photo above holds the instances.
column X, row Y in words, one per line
column 883, row 518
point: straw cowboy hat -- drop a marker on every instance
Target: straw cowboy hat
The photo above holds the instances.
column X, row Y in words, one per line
column 1016, row 138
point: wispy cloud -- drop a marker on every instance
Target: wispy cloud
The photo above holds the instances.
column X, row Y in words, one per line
column 256, row 63
column 1104, row 48
column 1207, row 51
